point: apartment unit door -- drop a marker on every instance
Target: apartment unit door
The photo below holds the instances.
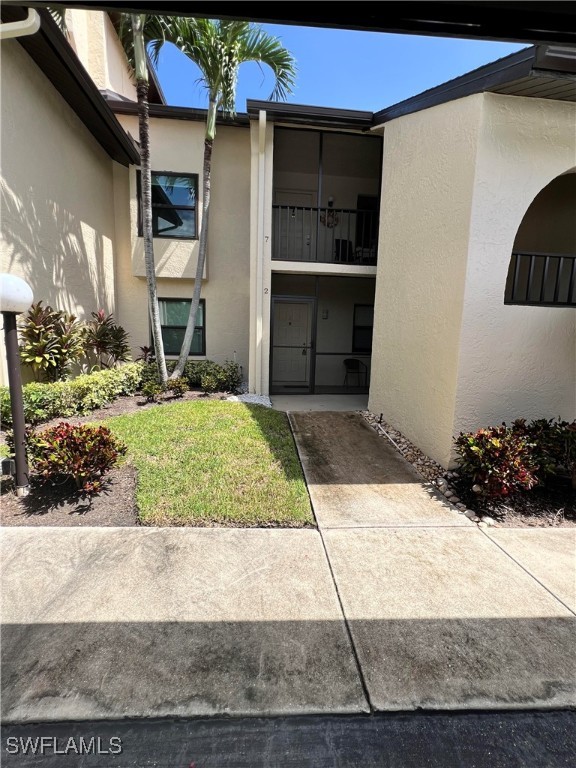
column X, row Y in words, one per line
column 293, row 321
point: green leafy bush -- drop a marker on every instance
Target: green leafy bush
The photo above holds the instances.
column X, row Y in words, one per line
column 212, row 377
column 152, row 391
column 106, row 340
column 82, row 452
column 178, row 387
column 232, row 376
column 554, row 445
column 50, row 342
column 45, row 401
column 505, row 460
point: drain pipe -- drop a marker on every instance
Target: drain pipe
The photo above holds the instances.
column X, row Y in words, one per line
column 28, row 26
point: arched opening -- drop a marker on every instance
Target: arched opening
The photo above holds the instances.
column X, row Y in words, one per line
column 542, row 269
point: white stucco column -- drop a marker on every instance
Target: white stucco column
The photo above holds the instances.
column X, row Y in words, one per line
column 261, row 137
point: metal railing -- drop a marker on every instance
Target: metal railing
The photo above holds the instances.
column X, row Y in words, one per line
column 541, row 279
column 328, row 235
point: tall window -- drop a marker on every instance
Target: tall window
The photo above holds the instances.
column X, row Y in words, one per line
column 363, row 328
column 173, row 318
column 174, row 197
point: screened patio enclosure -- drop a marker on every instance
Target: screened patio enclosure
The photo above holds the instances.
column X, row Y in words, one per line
column 325, row 196
column 319, row 322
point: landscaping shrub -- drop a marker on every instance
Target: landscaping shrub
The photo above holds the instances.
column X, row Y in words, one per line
column 106, row 340
column 499, row 461
column 50, row 341
column 152, row 391
column 45, row 401
column 232, row 376
column 82, row 452
column 554, row 445
column 178, row 387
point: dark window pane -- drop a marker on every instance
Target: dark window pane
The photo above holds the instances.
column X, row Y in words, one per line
column 173, row 190
column 173, row 319
column 176, row 311
column 362, row 340
column 173, row 222
column 173, row 338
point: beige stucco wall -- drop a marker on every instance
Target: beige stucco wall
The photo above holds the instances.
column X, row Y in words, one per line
column 57, row 204
column 448, row 354
column 178, row 146
column 427, row 188
column 514, row 361
column 96, row 43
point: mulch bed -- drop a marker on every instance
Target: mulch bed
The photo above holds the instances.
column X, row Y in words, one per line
column 550, row 506
column 63, row 504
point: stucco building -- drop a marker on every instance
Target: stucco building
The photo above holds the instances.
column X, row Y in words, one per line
column 433, row 242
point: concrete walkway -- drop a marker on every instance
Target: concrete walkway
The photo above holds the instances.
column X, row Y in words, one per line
column 395, row 603
column 353, row 402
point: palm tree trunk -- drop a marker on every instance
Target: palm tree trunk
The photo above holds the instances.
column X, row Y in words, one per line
column 189, row 333
column 146, row 178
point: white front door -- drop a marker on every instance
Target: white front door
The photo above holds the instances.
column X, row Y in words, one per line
column 292, row 343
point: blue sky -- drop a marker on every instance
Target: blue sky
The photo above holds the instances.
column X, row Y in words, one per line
column 342, row 68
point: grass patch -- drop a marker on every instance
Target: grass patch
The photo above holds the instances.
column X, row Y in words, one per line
column 214, row 462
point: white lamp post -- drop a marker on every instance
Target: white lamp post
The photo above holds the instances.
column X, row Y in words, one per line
column 15, row 297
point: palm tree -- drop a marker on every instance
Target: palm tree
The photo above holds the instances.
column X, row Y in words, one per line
column 218, row 48
column 134, row 32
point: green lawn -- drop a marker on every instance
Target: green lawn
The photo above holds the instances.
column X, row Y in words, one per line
column 215, row 462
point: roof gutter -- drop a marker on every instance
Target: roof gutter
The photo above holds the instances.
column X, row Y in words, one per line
column 28, row 26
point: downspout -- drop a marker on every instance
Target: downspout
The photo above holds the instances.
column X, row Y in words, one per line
column 28, row 26
column 260, row 249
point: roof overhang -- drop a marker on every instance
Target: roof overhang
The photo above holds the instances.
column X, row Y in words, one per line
column 532, row 72
column 349, row 119
column 58, row 62
column 122, row 106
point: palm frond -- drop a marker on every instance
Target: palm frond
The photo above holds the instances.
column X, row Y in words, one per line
column 59, row 16
column 261, row 47
column 218, row 48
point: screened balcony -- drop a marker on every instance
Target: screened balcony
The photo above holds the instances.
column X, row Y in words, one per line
column 326, row 188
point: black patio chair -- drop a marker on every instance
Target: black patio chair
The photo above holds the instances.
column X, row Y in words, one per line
column 357, row 368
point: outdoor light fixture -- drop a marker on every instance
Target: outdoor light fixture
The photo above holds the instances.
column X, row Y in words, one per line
column 15, row 297
column 330, row 202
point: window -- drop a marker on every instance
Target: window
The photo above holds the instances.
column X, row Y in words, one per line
column 363, row 327
column 173, row 318
column 174, row 198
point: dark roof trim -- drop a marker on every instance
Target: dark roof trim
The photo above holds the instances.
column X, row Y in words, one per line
column 301, row 113
column 120, row 106
column 528, row 22
column 155, row 92
column 57, row 61
column 505, row 70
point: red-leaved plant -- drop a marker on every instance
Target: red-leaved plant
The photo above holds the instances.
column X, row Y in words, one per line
column 80, row 451
column 498, row 460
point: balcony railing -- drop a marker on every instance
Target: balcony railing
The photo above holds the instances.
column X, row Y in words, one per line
column 541, row 279
column 328, row 235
